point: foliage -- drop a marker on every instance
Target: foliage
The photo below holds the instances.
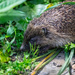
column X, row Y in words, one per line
column 53, row 6
column 19, row 65
column 42, row 63
column 69, row 47
column 7, row 12
column 69, row 3
column 15, row 15
column 67, row 63
column 10, row 10
column 5, row 5
column 4, row 57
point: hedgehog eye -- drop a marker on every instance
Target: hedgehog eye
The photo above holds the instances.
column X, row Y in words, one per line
column 44, row 30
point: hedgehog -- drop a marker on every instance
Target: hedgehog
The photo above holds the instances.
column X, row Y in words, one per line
column 53, row 29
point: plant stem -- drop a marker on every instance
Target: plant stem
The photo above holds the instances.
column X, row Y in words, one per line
column 69, row 66
column 43, row 64
column 49, row 59
column 44, row 55
column 67, row 62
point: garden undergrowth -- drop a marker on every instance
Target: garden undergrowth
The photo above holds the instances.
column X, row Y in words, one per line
column 11, row 40
column 11, row 36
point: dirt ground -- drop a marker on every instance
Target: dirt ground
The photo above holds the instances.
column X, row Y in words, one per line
column 54, row 66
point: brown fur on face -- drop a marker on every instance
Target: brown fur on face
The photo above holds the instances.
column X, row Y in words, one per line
column 54, row 28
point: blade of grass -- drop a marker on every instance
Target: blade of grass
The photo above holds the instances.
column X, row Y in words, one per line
column 69, row 69
column 44, row 60
column 36, row 69
column 69, row 3
column 43, row 55
column 56, row 53
column 67, row 62
column 69, row 66
column 33, row 73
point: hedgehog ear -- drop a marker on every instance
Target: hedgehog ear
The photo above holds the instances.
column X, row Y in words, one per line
column 44, row 30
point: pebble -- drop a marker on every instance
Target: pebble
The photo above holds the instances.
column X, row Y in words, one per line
column 59, row 65
column 54, row 63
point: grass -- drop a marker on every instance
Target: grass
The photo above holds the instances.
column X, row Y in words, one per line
column 27, row 64
column 11, row 37
column 68, row 58
column 18, row 66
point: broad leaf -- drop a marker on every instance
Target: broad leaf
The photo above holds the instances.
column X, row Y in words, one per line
column 53, row 6
column 5, row 5
column 33, row 12
column 30, row 13
column 40, row 8
column 11, row 15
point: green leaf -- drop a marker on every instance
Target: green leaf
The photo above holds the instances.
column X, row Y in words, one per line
column 72, row 45
column 5, row 5
column 66, row 49
column 12, row 40
column 66, row 57
column 53, row 6
column 69, row 3
column 33, row 12
column 30, row 13
column 1, row 38
column 10, row 30
column 11, row 15
column 40, row 8
column 22, row 24
column 43, row 64
column 4, row 57
column 67, row 62
column 37, row 1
